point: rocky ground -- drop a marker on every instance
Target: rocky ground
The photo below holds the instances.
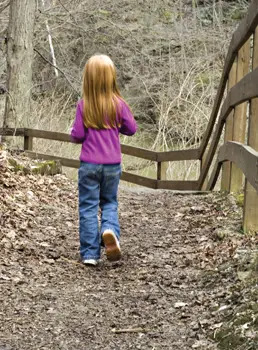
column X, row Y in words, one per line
column 187, row 280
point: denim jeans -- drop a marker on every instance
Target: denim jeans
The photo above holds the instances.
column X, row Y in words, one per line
column 98, row 186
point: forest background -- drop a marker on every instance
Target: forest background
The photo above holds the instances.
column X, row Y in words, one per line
column 169, row 57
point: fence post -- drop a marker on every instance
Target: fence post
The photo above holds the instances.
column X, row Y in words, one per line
column 250, row 223
column 28, row 143
column 239, row 121
column 228, row 136
column 162, row 170
column 202, row 162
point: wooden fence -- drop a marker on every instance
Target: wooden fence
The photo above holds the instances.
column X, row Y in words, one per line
column 235, row 108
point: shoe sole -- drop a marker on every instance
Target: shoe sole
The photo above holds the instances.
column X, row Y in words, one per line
column 113, row 252
column 89, row 264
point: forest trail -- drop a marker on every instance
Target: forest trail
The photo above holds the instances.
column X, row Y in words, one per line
column 170, row 290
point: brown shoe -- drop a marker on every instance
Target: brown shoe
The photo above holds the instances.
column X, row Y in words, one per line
column 112, row 245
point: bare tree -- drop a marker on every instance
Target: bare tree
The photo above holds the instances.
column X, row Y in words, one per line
column 19, row 61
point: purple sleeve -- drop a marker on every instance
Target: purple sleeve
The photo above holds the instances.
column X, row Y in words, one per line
column 78, row 133
column 129, row 126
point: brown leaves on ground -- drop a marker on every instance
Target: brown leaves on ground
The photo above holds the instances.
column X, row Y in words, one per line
column 178, row 278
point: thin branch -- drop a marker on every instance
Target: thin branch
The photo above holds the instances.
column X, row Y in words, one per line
column 131, row 330
column 60, row 70
column 50, row 42
column 66, row 9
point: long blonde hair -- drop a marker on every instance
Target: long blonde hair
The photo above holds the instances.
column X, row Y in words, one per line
column 100, row 93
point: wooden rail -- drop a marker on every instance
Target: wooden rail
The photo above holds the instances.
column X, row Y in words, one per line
column 244, row 156
column 30, row 134
column 241, row 88
column 245, row 90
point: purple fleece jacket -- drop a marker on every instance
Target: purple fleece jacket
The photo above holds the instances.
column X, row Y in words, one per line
column 102, row 146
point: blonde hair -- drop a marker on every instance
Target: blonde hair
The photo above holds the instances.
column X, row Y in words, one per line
column 100, row 93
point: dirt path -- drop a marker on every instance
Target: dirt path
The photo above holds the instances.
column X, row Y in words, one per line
column 164, row 294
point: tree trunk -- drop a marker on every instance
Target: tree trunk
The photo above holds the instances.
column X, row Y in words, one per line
column 19, row 62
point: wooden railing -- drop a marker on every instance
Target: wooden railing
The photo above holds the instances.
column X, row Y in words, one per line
column 158, row 157
column 238, row 86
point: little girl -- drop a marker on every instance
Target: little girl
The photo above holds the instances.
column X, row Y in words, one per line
column 100, row 116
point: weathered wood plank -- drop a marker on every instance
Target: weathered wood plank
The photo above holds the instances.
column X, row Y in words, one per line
column 250, row 221
column 12, row 131
column 243, row 91
column 239, row 121
column 245, row 157
column 228, row 136
column 203, row 160
column 28, row 143
column 178, row 185
column 139, row 152
column 139, row 180
column 48, row 135
column 241, row 35
column 189, row 154
column 162, row 170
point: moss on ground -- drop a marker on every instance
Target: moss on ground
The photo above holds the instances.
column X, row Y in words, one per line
column 48, row 167
column 240, row 199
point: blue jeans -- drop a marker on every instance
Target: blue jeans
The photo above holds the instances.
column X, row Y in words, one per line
column 98, row 186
